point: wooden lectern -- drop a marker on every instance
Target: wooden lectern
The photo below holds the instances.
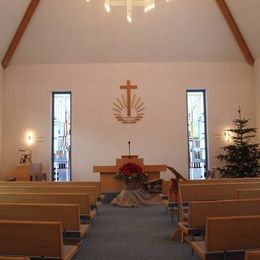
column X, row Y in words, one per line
column 30, row 172
column 107, row 173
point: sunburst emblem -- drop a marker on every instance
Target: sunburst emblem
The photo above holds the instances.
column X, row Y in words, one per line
column 128, row 109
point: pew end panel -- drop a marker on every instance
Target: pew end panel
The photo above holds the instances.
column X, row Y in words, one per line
column 252, row 255
column 229, row 234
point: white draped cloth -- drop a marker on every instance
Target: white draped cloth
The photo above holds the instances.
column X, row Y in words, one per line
column 135, row 197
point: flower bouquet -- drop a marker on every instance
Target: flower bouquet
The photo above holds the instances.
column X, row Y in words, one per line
column 131, row 173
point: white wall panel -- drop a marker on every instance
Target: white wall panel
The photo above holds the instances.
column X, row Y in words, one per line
column 257, row 95
column 97, row 138
column 1, row 116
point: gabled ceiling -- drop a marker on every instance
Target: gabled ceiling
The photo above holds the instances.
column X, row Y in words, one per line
column 79, row 32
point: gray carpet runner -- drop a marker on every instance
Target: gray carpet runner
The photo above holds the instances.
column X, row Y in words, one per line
column 132, row 233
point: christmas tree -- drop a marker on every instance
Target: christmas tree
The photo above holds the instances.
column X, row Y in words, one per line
column 241, row 157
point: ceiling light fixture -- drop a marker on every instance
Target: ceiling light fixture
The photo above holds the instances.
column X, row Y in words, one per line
column 147, row 4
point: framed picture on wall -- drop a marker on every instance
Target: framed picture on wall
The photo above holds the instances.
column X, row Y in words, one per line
column 25, row 159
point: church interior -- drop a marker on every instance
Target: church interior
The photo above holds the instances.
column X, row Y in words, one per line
column 91, row 87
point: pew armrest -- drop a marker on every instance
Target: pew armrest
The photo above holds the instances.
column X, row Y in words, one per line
column 69, row 252
column 77, row 234
column 184, row 227
column 199, row 248
column 252, row 255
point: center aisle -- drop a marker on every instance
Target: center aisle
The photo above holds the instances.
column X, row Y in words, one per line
column 132, row 233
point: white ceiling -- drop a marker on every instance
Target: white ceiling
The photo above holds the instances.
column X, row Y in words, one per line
column 73, row 31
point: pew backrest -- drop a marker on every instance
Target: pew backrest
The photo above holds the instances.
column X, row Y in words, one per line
column 90, row 190
column 67, row 214
column 199, row 211
column 82, row 199
column 248, row 193
column 14, row 258
column 232, row 233
column 31, row 238
column 213, row 191
column 97, row 184
column 221, row 180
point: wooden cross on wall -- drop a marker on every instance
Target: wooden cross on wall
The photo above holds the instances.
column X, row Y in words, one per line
column 128, row 88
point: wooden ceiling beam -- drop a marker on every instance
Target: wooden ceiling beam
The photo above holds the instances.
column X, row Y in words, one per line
column 236, row 32
column 19, row 33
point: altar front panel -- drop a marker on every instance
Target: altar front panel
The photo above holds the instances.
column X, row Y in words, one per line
column 110, row 184
column 108, row 172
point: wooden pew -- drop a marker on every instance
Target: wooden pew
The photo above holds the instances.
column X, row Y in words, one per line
column 170, row 205
column 221, row 180
column 248, row 194
column 165, row 195
column 214, row 191
column 90, row 190
column 14, row 258
column 97, row 184
column 67, row 214
column 206, row 192
column 82, row 199
column 166, row 184
column 199, row 211
column 165, row 187
column 211, row 191
column 20, row 173
column 38, row 239
column 225, row 234
column 252, row 255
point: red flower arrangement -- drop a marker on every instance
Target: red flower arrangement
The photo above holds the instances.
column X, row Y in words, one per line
column 131, row 173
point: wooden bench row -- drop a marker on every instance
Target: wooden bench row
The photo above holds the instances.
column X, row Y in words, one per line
column 90, row 190
column 188, row 193
column 166, row 183
column 82, row 199
column 226, row 234
column 26, row 205
column 211, row 191
column 219, row 210
column 14, row 258
column 96, row 184
column 199, row 211
column 220, row 180
column 38, row 239
column 67, row 214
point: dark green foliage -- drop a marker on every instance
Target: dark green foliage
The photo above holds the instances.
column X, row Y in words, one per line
column 241, row 158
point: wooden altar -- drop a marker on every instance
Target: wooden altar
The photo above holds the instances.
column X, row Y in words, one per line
column 107, row 173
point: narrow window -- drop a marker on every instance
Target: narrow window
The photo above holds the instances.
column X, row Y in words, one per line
column 197, row 134
column 61, row 136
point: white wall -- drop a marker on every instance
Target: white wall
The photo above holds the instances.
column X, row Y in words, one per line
column 257, row 95
column 1, row 114
column 98, row 139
